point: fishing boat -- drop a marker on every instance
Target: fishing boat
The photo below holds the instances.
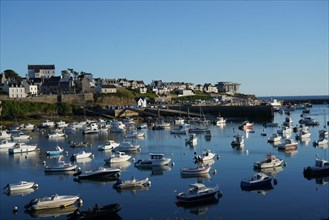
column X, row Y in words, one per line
column 288, row 145
column 192, row 139
column 195, row 171
column 54, row 201
column 274, row 138
column 127, row 146
column 321, row 168
column 132, row 183
column 269, row 161
column 58, row 151
column 21, row 147
column 156, row 159
column 61, row 167
column 21, row 185
column 117, row 157
column 206, row 155
column 81, row 155
column 102, row 212
column 99, row 173
column 238, row 141
column 109, row 145
column 196, row 193
column 257, row 180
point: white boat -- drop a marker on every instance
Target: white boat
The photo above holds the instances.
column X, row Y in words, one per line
column 274, row 138
column 21, row 147
column 61, row 167
column 156, row 159
column 303, row 135
column 238, row 141
column 206, row 155
column 320, row 169
column 258, row 180
column 323, row 133
column 21, row 185
column 28, row 126
column 192, row 139
column 198, row 192
column 195, row 171
column 118, row 157
column 127, row 146
column 134, row 134
column 56, row 133
column 58, row 150
column 54, row 201
column 246, row 125
column 181, row 129
column 132, row 183
column 288, row 145
column 20, row 136
column 4, row 135
column 81, row 155
column 47, row 123
column 220, row 121
column 99, row 173
column 109, row 145
column 321, row 142
column 5, row 144
column 61, row 124
column 269, row 161
column 285, row 131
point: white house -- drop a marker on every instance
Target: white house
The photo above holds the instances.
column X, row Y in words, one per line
column 41, row 71
column 30, row 88
column 14, row 90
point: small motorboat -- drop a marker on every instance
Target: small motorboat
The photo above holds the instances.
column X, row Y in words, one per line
column 258, row 180
column 117, row 157
column 102, row 212
column 274, row 138
column 21, row 147
column 127, row 146
column 5, row 144
column 288, row 145
column 21, row 185
column 269, row 161
column 206, row 155
column 132, row 183
column 246, row 125
column 54, row 201
column 198, row 192
column 99, row 173
column 320, row 169
column 61, row 167
column 192, row 139
column 320, row 142
column 156, row 159
column 81, row 155
column 238, row 141
column 56, row 134
column 200, row 169
column 80, row 144
column 109, row 145
column 58, row 151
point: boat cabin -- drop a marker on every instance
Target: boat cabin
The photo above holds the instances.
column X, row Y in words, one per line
column 156, row 156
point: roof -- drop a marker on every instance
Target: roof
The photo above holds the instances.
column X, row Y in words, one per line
column 37, row 68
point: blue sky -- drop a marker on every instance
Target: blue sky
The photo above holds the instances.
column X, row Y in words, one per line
column 271, row 48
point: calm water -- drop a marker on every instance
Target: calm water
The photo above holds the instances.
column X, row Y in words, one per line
column 294, row 197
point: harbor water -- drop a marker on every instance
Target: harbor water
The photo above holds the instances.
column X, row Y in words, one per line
column 292, row 197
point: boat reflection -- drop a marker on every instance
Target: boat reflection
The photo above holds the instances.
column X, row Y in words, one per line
column 199, row 208
column 103, row 181
column 271, row 171
column 22, row 192
column 54, row 212
column 262, row 190
column 156, row 170
column 120, row 165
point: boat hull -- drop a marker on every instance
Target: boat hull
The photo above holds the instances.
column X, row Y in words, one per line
column 195, row 199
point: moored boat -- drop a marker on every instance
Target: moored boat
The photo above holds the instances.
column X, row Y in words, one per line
column 127, row 146
column 99, row 173
column 5, row 144
column 21, row 185
column 132, row 183
column 156, row 159
column 117, row 157
column 238, row 141
column 54, row 201
column 321, row 168
column 200, row 169
column 269, row 161
column 258, row 180
column 58, row 151
column 21, row 147
column 81, row 155
column 61, row 167
column 108, row 145
column 288, row 145
column 197, row 192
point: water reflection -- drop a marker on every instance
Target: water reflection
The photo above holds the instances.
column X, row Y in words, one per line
column 120, row 165
column 155, row 170
column 271, row 171
column 199, row 208
column 54, row 212
column 262, row 190
column 22, row 192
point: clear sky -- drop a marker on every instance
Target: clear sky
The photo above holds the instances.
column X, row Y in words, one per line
column 271, row 48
